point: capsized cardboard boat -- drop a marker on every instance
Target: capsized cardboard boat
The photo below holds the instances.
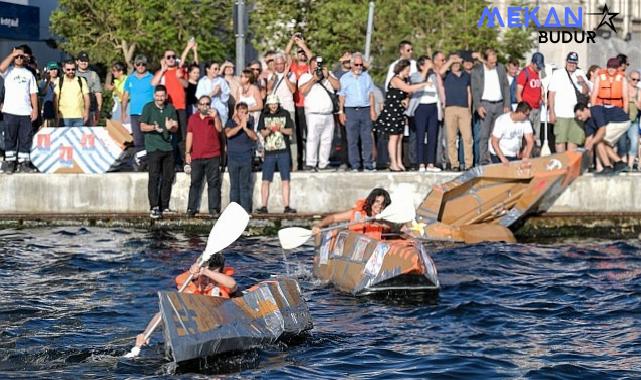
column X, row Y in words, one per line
column 197, row 326
column 357, row 264
column 483, row 202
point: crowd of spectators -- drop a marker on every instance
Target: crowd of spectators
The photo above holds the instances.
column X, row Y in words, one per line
column 295, row 110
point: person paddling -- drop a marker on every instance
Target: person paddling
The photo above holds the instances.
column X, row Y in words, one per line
column 213, row 280
column 377, row 200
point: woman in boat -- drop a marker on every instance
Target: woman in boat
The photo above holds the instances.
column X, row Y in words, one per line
column 213, row 280
column 371, row 206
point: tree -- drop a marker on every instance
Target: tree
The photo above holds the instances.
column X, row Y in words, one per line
column 331, row 26
column 112, row 30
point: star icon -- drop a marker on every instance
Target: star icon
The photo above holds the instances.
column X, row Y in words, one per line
column 607, row 18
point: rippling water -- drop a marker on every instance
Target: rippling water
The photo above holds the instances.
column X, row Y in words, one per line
column 71, row 301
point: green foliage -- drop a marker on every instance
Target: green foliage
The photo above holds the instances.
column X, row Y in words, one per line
column 331, row 26
column 116, row 30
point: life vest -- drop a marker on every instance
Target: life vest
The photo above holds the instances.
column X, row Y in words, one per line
column 610, row 89
column 210, row 290
column 373, row 230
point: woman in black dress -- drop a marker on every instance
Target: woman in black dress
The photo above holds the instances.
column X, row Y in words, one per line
column 392, row 119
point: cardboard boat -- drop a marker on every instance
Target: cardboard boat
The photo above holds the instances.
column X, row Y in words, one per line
column 357, row 264
column 482, row 203
column 197, row 326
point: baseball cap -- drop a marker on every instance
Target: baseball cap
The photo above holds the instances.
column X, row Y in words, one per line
column 613, row 63
column 83, row 56
column 272, row 99
column 538, row 60
column 573, row 57
column 52, row 66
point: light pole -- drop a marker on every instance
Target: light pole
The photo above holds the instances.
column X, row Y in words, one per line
column 240, row 36
column 370, row 27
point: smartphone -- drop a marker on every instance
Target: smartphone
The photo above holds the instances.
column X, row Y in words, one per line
column 192, row 39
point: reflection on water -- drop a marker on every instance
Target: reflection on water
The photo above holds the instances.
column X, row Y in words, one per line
column 72, row 300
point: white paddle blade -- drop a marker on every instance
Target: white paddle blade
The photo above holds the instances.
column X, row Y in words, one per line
column 293, row 237
column 545, row 149
column 135, row 351
column 228, row 228
column 400, row 211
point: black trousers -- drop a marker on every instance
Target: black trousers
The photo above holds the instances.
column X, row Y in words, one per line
column 179, row 138
column 301, row 136
column 161, row 175
column 17, row 137
column 200, row 169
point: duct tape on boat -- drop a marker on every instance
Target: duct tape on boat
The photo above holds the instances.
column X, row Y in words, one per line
column 324, row 250
column 375, row 261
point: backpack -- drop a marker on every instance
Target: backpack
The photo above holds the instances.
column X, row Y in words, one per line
column 60, row 81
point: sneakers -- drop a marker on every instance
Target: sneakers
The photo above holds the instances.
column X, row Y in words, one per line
column 289, row 210
column 342, row 168
column 155, row 213
column 620, row 167
column 262, row 210
column 325, row 169
column 421, row 169
column 26, row 167
column 8, row 167
column 432, row 169
column 370, row 170
column 310, row 168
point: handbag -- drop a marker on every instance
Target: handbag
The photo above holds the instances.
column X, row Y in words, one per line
column 332, row 97
column 580, row 97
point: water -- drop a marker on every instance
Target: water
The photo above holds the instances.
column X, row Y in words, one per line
column 72, row 299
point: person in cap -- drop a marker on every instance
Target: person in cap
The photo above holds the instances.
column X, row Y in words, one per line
column 566, row 86
column 95, row 88
column 610, row 87
column 46, row 90
column 529, row 90
column 214, row 279
column 137, row 92
column 275, row 126
column 603, row 128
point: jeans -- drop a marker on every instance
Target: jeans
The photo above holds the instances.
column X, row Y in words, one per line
column 301, row 136
column 240, row 179
column 359, row 126
column 73, row 122
column 629, row 143
column 209, row 168
column 161, row 171
column 426, row 121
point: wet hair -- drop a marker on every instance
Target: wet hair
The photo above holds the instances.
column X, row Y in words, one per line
column 523, row 107
column 591, row 70
column 242, row 105
column 401, row 65
column 371, row 198
column 160, row 88
column 118, row 66
column 580, row 107
column 217, row 260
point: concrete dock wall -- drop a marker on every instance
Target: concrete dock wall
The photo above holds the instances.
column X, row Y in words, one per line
column 312, row 193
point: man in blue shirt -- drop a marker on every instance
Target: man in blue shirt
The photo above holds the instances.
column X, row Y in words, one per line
column 356, row 113
column 603, row 128
column 138, row 91
column 458, row 113
column 241, row 140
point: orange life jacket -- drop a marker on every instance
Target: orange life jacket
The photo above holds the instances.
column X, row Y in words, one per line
column 373, row 230
column 610, row 89
column 210, row 290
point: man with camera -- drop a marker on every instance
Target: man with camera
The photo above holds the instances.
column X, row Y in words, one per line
column 318, row 86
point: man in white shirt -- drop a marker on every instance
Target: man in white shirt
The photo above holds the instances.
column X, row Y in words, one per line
column 562, row 96
column 20, row 108
column 319, row 108
column 507, row 136
column 405, row 51
column 282, row 83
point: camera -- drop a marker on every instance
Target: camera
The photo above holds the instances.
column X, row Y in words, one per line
column 319, row 67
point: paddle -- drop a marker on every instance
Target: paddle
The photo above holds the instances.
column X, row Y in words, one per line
column 229, row 226
column 399, row 211
column 545, row 149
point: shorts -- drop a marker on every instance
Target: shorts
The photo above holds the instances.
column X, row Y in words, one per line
column 273, row 160
column 567, row 130
column 614, row 131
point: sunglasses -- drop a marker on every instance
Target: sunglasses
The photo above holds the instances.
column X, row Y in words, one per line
column 70, row 70
column 357, row 64
column 21, row 56
column 170, row 56
column 634, row 79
